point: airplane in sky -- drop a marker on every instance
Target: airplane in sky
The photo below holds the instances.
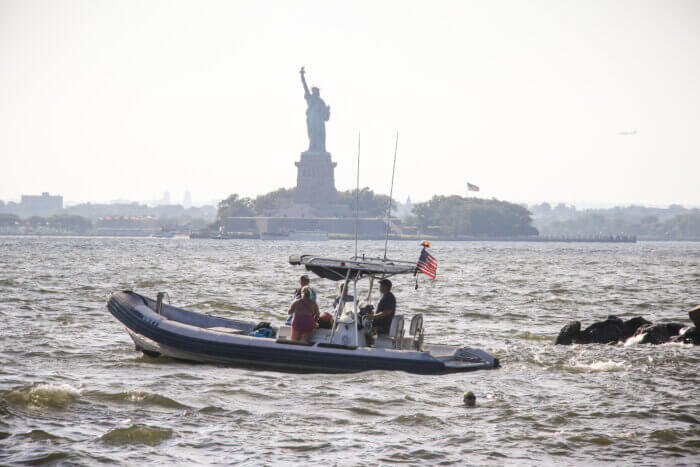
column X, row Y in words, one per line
column 628, row 133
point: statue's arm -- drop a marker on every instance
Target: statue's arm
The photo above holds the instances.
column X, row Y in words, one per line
column 303, row 82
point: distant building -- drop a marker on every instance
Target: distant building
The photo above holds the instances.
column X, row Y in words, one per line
column 165, row 199
column 366, row 226
column 404, row 210
column 44, row 205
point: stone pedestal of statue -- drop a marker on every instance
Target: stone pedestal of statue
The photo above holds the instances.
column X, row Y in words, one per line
column 315, row 179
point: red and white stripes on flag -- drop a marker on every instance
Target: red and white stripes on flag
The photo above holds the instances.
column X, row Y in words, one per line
column 427, row 264
column 471, row 187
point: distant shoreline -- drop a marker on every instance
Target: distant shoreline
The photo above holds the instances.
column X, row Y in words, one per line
column 392, row 238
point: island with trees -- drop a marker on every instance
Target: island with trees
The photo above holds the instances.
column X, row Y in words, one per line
column 454, row 217
column 448, row 217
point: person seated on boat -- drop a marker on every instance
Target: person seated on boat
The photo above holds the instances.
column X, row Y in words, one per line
column 306, row 313
column 304, row 282
column 386, row 308
column 342, row 293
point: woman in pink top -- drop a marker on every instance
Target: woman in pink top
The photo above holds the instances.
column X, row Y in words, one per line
column 306, row 314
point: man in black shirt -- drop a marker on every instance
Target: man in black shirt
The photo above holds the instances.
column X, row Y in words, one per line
column 385, row 308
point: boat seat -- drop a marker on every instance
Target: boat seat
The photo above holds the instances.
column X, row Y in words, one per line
column 416, row 331
column 284, row 332
column 383, row 341
column 396, row 331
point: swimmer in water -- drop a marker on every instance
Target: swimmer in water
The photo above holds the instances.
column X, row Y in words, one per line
column 469, row 399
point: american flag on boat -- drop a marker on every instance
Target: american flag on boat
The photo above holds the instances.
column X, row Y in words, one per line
column 427, row 264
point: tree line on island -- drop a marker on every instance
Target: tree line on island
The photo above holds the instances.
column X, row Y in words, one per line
column 61, row 222
column 646, row 223
column 442, row 215
column 370, row 203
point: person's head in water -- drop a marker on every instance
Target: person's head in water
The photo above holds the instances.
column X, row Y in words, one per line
column 469, row 399
column 306, row 292
column 384, row 286
column 304, row 280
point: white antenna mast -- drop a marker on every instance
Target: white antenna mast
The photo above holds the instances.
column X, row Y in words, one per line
column 357, row 193
column 391, row 194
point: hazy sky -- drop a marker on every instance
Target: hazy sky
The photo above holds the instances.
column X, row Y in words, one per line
column 126, row 99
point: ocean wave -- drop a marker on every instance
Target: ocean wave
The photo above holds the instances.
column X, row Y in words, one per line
column 47, row 458
column 303, row 446
column 246, row 393
column 218, row 305
column 418, row 419
column 150, row 283
column 381, row 403
column 43, row 395
column 552, row 298
column 527, row 335
column 364, row 411
column 139, row 397
column 212, row 409
column 474, row 314
column 39, row 435
column 634, row 340
column 137, row 434
column 599, row 440
column 596, row 366
column 667, row 436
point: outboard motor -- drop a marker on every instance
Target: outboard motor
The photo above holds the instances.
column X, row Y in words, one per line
column 344, row 333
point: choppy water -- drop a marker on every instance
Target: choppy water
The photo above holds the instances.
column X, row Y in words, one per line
column 72, row 389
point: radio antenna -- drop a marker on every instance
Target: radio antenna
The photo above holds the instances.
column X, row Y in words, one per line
column 357, row 194
column 391, row 194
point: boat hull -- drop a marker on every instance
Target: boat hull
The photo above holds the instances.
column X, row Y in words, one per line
column 157, row 335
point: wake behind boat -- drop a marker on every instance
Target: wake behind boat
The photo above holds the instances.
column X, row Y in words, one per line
column 348, row 346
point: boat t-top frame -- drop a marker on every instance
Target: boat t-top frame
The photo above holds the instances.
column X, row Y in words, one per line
column 355, row 267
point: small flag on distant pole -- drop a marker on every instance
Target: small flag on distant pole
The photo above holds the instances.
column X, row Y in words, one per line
column 471, row 187
column 426, row 263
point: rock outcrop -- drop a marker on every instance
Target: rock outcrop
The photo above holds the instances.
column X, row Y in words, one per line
column 614, row 330
column 610, row 331
column 688, row 336
column 658, row 333
column 695, row 316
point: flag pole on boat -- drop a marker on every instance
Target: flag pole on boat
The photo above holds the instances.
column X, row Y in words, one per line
column 357, row 193
column 391, row 193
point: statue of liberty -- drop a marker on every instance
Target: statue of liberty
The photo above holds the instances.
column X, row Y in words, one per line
column 317, row 114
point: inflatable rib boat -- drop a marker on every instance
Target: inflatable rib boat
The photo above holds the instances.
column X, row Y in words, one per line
column 160, row 329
